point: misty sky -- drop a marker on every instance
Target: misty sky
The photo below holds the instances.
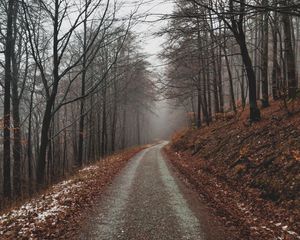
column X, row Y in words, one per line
column 167, row 119
column 147, row 27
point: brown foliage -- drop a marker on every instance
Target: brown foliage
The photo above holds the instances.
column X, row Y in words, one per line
column 257, row 165
column 58, row 212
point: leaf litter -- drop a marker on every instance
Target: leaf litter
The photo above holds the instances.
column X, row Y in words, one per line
column 58, row 212
column 249, row 173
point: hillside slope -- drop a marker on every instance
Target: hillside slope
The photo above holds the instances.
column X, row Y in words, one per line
column 58, row 212
column 249, row 172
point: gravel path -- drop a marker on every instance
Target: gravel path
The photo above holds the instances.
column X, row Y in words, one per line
column 149, row 201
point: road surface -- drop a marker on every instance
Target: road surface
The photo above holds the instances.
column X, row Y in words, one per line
column 148, row 201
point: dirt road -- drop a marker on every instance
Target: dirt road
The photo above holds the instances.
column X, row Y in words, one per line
column 149, row 201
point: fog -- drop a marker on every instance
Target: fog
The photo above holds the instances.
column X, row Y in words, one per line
column 166, row 120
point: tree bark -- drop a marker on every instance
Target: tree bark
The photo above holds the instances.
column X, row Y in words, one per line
column 83, row 79
column 265, row 57
column 232, row 98
column 289, row 54
column 238, row 30
column 254, row 111
column 275, row 67
column 7, row 86
column 41, row 164
column 199, row 103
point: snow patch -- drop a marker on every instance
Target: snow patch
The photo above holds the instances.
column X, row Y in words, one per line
column 45, row 209
column 89, row 168
column 284, row 228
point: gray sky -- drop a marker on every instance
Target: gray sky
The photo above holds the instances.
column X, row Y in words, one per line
column 146, row 28
column 167, row 119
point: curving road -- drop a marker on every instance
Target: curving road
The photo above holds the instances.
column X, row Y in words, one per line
column 148, row 201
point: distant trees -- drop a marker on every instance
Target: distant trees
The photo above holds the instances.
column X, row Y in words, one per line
column 72, row 72
column 220, row 50
column 76, row 87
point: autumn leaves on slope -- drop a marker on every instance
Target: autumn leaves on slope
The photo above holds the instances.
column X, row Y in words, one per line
column 58, row 212
column 256, row 165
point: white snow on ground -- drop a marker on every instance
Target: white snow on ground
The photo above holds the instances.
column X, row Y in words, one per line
column 42, row 213
column 44, row 209
column 89, row 168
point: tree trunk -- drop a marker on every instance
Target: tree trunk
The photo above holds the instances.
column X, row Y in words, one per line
column 275, row 67
column 258, row 50
column 243, row 89
column 138, row 127
column 208, row 86
column 124, row 128
column 29, row 141
column 83, row 77
column 265, row 58
column 199, row 103
column 41, row 164
column 220, row 85
column 215, row 66
column 203, row 96
column 254, row 111
column 7, row 85
column 289, row 54
column 17, row 147
column 232, row 98
column 104, row 124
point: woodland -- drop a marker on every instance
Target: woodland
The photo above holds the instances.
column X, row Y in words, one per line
column 233, row 65
column 76, row 87
column 223, row 55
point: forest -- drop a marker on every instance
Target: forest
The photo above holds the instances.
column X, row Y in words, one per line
column 74, row 86
column 175, row 129
column 233, row 65
column 223, row 55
